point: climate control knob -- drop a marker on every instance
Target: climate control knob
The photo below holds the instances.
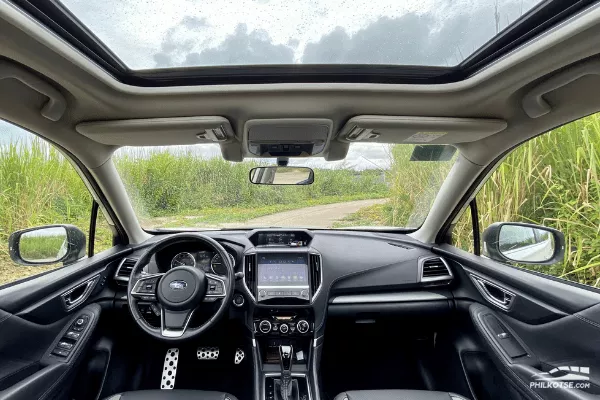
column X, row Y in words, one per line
column 264, row 326
column 284, row 328
column 302, row 326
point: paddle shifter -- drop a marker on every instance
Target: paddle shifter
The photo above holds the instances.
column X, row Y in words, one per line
column 286, row 353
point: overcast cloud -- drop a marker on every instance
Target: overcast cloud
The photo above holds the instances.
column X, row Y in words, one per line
column 155, row 33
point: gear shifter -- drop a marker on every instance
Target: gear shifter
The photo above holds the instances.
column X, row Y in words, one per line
column 286, row 353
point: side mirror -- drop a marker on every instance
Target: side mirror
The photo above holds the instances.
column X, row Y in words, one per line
column 282, row 176
column 45, row 245
column 523, row 243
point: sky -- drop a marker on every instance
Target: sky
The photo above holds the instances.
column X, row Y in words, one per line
column 178, row 33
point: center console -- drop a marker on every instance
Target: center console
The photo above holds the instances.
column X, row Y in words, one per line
column 283, row 275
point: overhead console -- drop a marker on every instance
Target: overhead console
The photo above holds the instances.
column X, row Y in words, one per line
column 287, row 137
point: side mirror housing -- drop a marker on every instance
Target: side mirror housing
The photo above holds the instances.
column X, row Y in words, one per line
column 513, row 242
column 46, row 245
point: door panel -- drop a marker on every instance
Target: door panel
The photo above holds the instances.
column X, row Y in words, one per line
column 546, row 324
column 37, row 326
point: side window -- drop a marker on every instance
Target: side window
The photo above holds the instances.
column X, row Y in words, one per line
column 552, row 181
column 38, row 186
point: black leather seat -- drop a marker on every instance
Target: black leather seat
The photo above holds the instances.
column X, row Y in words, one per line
column 171, row 395
column 397, row 395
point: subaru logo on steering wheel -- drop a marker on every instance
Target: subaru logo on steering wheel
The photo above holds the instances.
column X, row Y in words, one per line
column 178, row 285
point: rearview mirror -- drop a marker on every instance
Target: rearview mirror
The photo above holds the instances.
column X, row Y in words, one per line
column 47, row 245
column 282, row 176
column 523, row 243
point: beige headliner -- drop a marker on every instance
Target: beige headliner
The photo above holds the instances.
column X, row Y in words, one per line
column 496, row 92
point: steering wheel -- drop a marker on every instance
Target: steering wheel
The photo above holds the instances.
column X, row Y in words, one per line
column 180, row 291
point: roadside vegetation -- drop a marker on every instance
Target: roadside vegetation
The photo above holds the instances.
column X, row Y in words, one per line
column 551, row 180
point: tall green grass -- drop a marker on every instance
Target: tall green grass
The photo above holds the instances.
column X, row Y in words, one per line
column 551, row 180
column 162, row 183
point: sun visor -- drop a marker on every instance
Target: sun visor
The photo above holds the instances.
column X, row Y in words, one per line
column 418, row 130
column 159, row 131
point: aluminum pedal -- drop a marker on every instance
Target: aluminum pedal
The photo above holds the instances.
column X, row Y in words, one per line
column 169, row 369
column 207, row 353
column 239, row 356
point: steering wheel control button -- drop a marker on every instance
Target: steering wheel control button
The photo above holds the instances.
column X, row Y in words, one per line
column 302, row 326
column 238, row 300
column 284, row 328
column 169, row 369
column 264, row 326
column 215, row 287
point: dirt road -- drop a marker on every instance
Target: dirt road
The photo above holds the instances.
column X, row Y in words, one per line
column 316, row 216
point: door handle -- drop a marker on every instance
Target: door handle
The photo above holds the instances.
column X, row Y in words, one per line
column 79, row 293
column 495, row 294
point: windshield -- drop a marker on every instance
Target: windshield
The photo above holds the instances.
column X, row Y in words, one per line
column 377, row 185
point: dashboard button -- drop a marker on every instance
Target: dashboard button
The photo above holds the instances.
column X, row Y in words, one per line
column 264, row 326
column 295, row 293
column 262, row 293
column 303, row 326
column 304, row 293
column 284, row 328
column 238, row 300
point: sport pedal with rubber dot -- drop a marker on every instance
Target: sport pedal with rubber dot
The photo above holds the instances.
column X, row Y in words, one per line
column 207, row 353
column 239, row 356
column 169, row 369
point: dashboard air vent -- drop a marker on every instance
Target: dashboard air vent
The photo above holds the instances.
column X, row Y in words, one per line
column 250, row 272
column 315, row 273
column 435, row 269
column 124, row 269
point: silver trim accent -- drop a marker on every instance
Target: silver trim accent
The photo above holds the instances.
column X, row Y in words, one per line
column 397, row 297
column 89, row 284
column 298, row 326
column 316, row 293
column 116, row 277
column 184, row 252
column 294, row 374
column 248, row 291
column 504, row 304
column 442, row 279
column 173, row 333
column 268, row 322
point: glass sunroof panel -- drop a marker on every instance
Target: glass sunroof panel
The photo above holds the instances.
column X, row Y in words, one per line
column 186, row 33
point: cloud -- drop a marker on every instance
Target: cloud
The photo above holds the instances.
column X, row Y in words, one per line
column 242, row 47
column 444, row 36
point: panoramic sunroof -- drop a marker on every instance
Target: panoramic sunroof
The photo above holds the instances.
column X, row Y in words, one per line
column 154, row 34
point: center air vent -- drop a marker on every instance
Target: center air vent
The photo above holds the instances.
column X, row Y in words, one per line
column 316, row 275
column 250, row 273
column 124, row 269
column 435, row 269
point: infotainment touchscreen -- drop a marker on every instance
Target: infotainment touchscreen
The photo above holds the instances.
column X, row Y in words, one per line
column 282, row 270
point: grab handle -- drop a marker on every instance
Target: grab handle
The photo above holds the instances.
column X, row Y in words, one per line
column 55, row 106
column 534, row 104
